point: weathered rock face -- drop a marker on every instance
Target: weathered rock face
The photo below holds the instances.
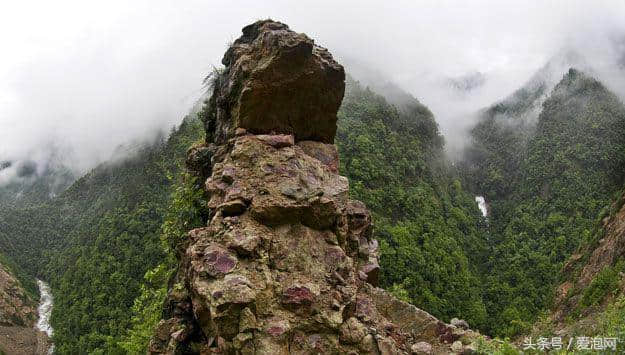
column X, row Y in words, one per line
column 18, row 313
column 583, row 267
column 16, row 306
column 276, row 81
column 287, row 262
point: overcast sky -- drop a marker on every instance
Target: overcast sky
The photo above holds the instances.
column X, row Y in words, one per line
column 93, row 75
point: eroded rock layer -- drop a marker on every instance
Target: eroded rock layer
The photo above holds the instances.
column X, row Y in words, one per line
column 16, row 306
column 18, row 313
column 279, row 81
column 287, row 263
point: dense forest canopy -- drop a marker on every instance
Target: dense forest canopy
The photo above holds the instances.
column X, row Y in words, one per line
column 430, row 228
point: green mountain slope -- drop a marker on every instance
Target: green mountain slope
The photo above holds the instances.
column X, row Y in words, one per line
column 569, row 169
column 430, row 229
column 99, row 272
column 95, row 242
column 24, row 183
column 500, row 136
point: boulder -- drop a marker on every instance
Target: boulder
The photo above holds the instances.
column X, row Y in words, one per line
column 275, row 81
column 459, row 323
column 457, row 347
column 421, row 348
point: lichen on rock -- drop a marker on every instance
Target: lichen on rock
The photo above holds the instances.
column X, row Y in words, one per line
column 276, row 81
column 287, row 262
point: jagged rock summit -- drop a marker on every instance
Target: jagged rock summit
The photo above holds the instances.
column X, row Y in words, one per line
column 287, row 263
column 276, row 81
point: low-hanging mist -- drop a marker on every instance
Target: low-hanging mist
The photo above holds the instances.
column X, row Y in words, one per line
column 90, row 78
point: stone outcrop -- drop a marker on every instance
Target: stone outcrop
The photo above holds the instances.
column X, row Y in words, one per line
column 16, row 307
column 287, row 262
column 276, row 81
column 583, row 267
column 18, row 313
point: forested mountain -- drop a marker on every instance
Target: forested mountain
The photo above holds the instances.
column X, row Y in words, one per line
column 26, row 187
column 549, row 185
column 95, row 241
column 26, row 182
column 113, row 243
column 430, row 228
column 499, row 138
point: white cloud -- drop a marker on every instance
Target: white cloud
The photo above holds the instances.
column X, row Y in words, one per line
column 96, row 74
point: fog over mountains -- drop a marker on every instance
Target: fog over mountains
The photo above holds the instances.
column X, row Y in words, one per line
column 88, row 79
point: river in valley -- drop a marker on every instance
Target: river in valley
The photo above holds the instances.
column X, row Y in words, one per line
column 45, row 310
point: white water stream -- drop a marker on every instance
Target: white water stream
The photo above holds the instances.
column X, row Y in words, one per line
column 481, row 204
column 45, row 310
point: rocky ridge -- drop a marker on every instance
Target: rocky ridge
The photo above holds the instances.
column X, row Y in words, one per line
column 586, row 265
column 18, row 313
column 287, row 262
column 16, row 306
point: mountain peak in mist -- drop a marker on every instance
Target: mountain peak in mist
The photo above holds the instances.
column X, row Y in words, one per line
column 5, row 164
column 468, row 82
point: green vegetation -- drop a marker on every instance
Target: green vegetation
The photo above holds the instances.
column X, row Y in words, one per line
column 612, row 322
column 430, row 229
column 29, row 234
column 116, row 254
column 567, row 170
column 99, row 244
column 147, row 309
column 186, row 211
column 496, row 347
column 606, row 282
column 493, row 161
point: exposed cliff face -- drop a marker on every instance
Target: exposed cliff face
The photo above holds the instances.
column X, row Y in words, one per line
column 18, row 313
column 287, row 262
column 17, row 308
column 594, row 275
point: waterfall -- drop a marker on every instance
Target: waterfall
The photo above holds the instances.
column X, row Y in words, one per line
column 45, row 310
column 481, row 204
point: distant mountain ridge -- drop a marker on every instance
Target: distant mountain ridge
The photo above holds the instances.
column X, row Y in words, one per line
column 25, row 182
